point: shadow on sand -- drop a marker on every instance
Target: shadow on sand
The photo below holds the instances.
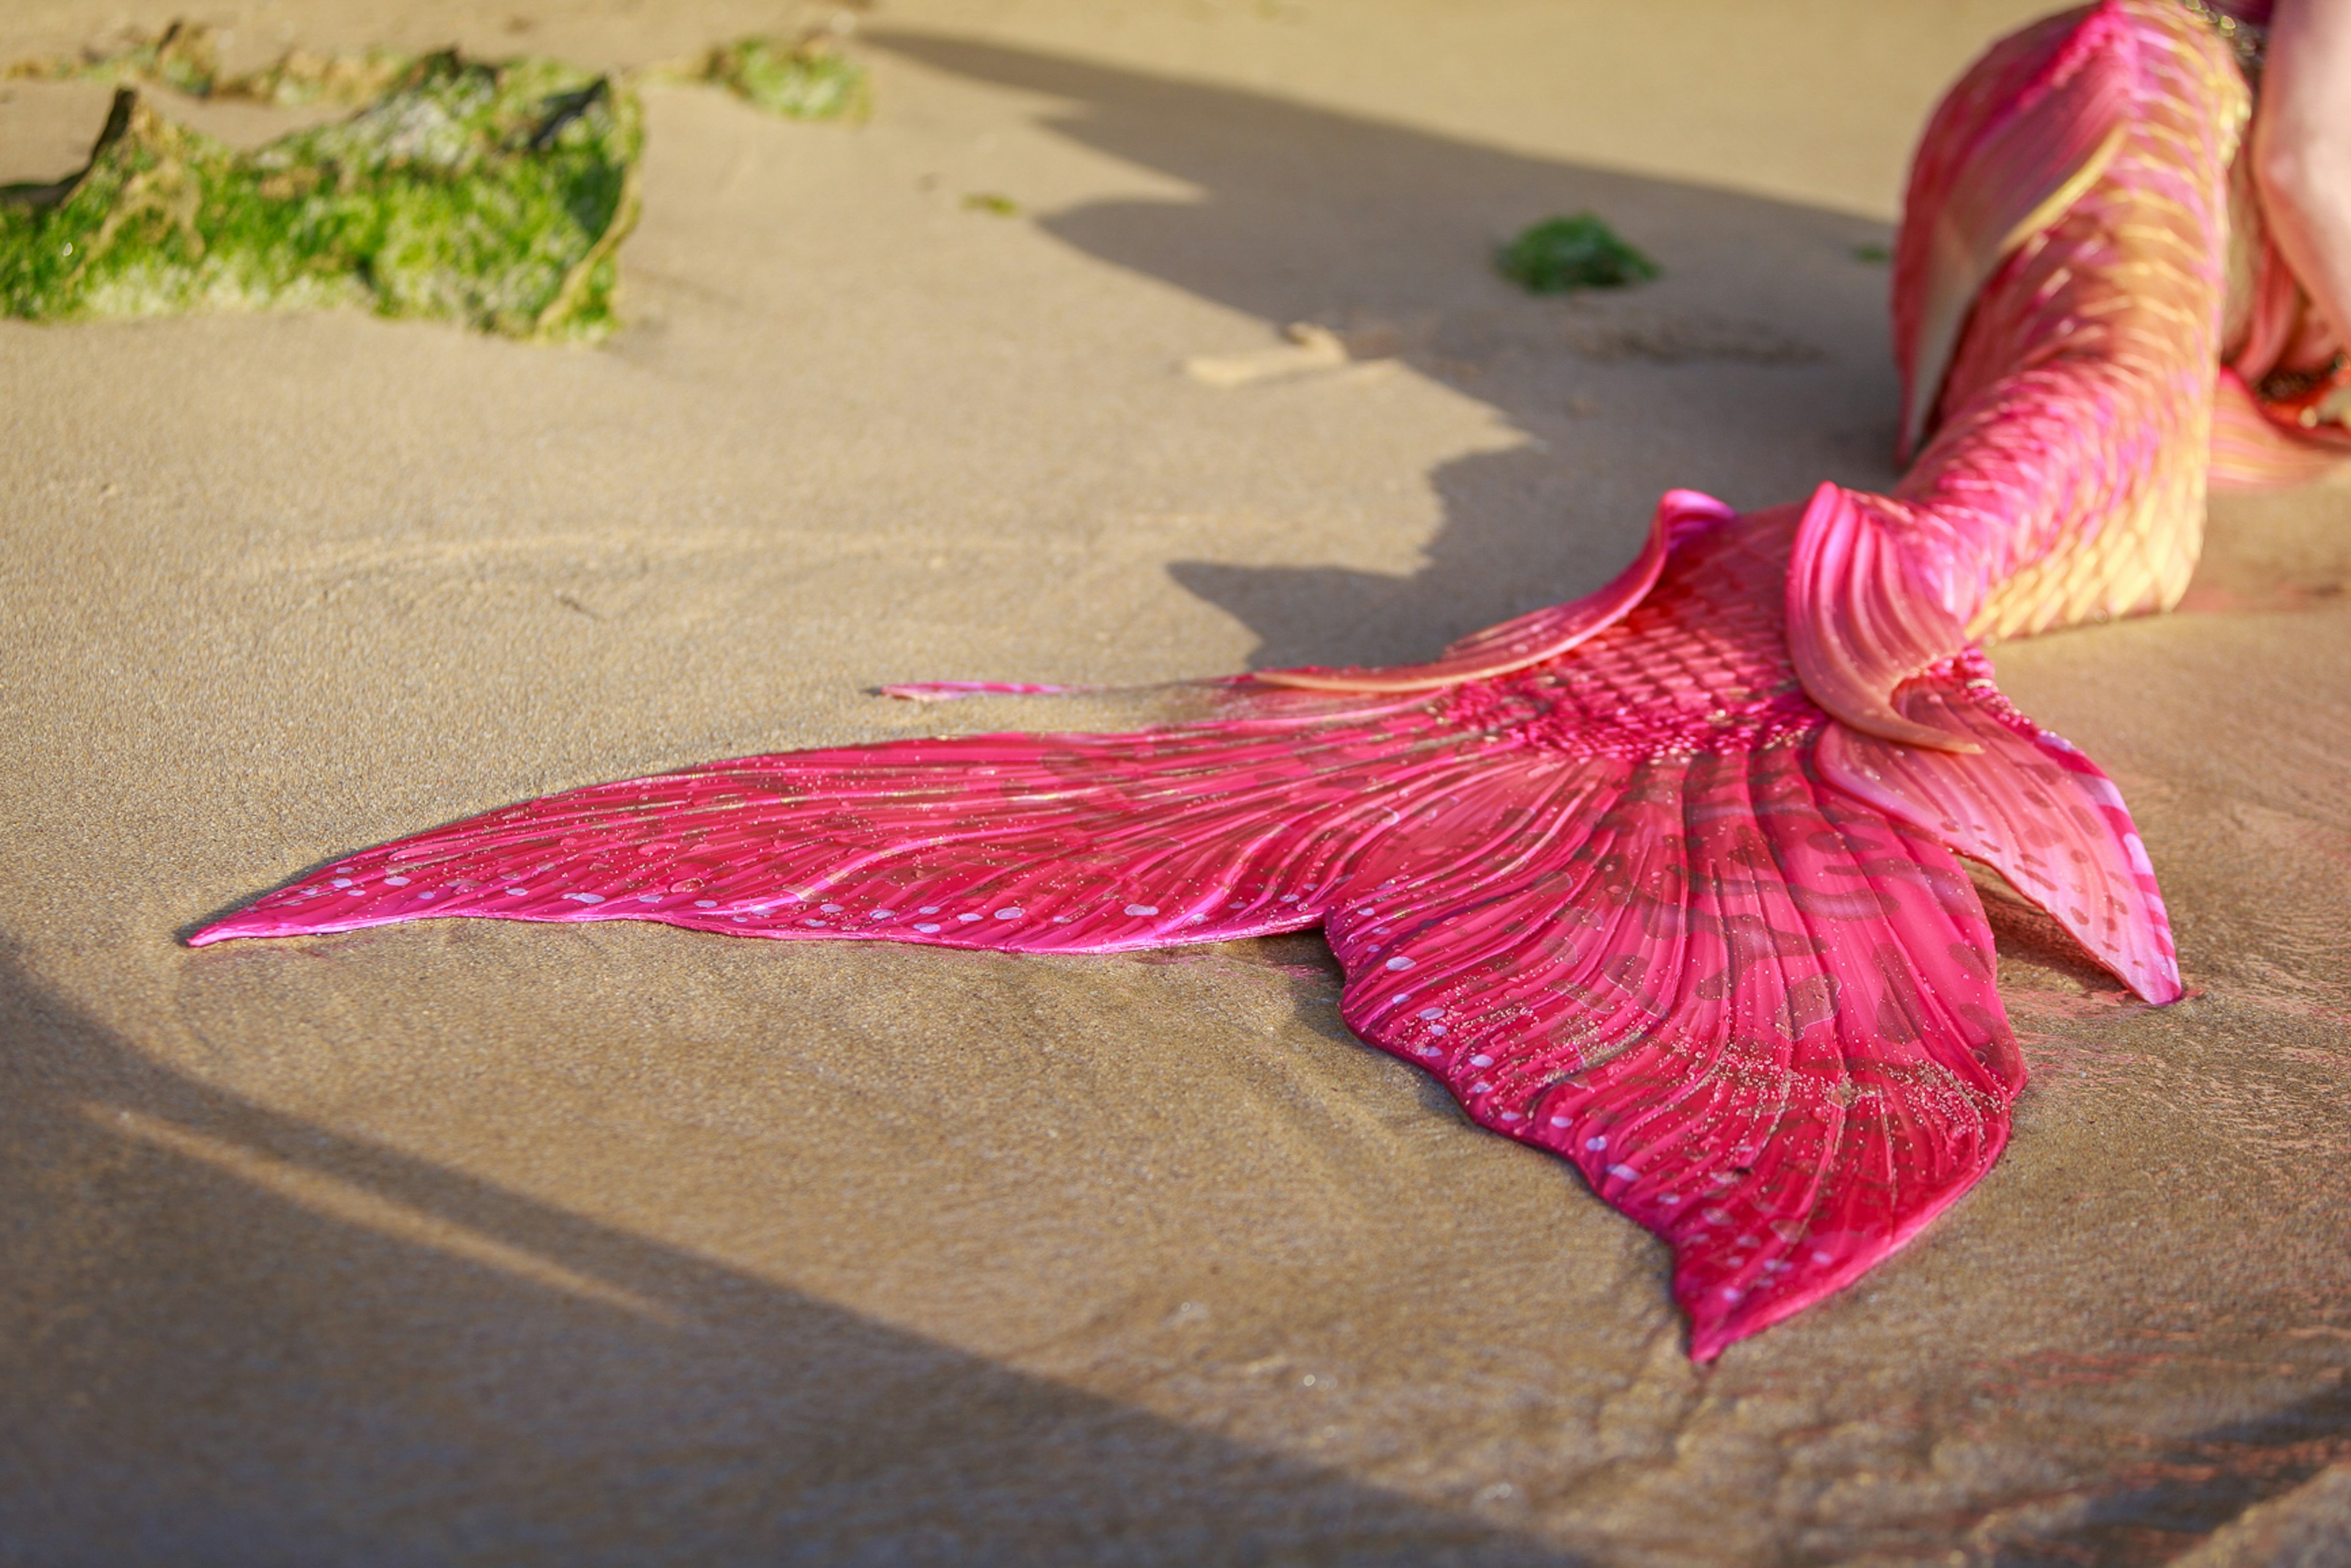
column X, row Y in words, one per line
column 238, row 1338
column 1759, row 366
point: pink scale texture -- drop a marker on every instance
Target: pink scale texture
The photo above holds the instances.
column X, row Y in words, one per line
column 1665, row 881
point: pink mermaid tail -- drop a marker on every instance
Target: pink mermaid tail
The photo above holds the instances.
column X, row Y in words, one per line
column 1617, row 874
column 1615, row 901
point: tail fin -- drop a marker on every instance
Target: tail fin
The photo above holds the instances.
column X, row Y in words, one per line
column 1756, row 1013
column 1040, row 844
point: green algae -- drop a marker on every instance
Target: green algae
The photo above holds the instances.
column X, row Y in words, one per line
column 489, row 195
column 1560, row 254
column 798, row 79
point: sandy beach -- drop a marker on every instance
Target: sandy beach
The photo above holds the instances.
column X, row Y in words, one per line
column 473, row 1242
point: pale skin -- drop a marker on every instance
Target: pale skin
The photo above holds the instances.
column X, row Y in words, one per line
column 2301, row 148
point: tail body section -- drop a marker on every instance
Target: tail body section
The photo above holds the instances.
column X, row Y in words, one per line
column 2016, row 144
column 2064, row 433
column 2077, row 411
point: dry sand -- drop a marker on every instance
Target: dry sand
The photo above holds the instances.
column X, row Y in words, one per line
column 470, row 1242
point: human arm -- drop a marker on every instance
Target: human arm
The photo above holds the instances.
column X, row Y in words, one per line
column 2301, row 148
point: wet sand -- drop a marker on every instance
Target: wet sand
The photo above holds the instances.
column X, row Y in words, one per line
column 471, row 1242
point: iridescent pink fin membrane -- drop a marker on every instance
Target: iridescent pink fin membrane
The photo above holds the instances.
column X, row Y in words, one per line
column 1613, row 901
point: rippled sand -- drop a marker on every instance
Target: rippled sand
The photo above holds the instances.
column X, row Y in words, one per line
column 473, row 1242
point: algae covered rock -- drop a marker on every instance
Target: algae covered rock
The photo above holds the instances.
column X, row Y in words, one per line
column 492, row 195
column 1579, row 251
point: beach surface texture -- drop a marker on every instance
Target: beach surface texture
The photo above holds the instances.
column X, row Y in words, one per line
column 1120, row 342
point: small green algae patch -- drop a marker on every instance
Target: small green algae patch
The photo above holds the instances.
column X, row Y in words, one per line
column 1559, row 254
column 798, row 79
column 992, row 202
column 490, row 196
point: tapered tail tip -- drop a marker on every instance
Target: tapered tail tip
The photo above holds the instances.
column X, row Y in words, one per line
column 229, row 928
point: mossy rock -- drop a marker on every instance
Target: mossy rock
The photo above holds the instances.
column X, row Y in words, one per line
column 1560, row 254
column 492, row 195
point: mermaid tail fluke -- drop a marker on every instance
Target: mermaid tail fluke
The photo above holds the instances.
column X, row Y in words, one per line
column 1758, row 1017
column 1627, row 904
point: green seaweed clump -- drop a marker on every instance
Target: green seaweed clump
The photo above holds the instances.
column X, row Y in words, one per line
column 184, row 59
column 804, row 79
column 492, row 195
column 1559, row 254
